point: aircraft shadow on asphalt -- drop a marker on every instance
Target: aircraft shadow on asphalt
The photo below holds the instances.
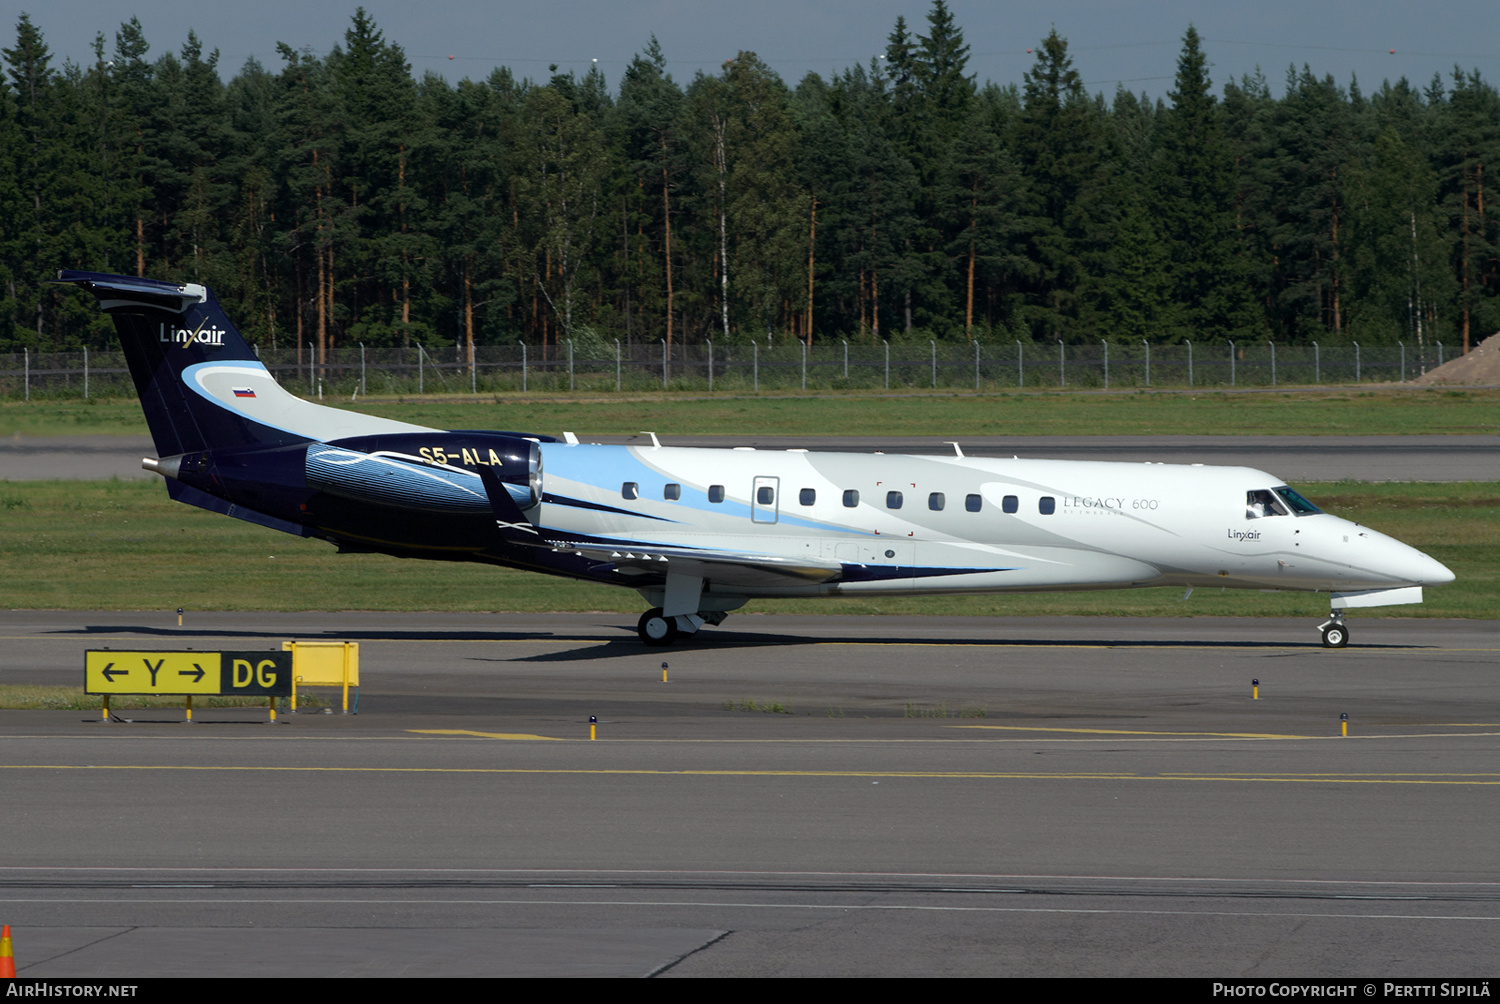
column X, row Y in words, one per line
column 627, row 643
column 723, row 639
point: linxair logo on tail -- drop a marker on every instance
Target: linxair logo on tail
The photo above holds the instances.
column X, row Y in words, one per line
column 204, row 335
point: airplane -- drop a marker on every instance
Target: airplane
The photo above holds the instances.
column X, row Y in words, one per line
column 701, row 532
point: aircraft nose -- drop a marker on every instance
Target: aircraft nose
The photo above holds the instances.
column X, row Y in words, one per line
column 1416, row 568
column 1435, row 573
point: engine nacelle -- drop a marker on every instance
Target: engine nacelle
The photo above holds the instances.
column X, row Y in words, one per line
column 430, row 472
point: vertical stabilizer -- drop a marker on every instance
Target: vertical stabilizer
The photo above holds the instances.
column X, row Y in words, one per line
column 201, row 386
column 170, row 333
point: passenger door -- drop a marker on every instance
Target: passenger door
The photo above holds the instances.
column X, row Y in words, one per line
column 763, row 499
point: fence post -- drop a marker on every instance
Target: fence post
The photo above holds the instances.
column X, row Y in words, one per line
column 887, row 364
column 1403, row 359
column 1190, row 360
column 309, row 369
column 1317, row 364
column 363, row 387
column 976, row 364
column 1148, row 361
column 1231, row 364
column 85, row 372
column 710, row 342
column 1062, row 365
column 1106, row 362
column 846, row 357
column 617, row 365
column 663, row 363
column 756, row 346
column 1356, row 362
column 933, row 343
column 27, row 350
column 523, row 365
column 1273, row 361
column 421, row 365
column 804, row 363
column 1020, row 366
column 1440, row 353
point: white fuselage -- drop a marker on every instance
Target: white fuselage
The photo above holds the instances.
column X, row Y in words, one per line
column 1108, row 525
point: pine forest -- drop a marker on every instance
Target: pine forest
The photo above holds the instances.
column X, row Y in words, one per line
column 334, row 199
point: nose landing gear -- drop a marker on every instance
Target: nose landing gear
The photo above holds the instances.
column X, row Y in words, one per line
column 1335, row 632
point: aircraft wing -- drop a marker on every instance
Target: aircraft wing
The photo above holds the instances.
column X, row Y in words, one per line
column 728, row 567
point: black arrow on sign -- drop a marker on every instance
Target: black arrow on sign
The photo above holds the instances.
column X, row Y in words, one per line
column 197, row 678
column 109, row 672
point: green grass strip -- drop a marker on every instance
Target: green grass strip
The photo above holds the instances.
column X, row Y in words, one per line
column 1353, row 410
column 123, row 545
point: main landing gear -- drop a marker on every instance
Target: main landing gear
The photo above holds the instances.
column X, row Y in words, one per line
column 1335, row 632
column 658, row 630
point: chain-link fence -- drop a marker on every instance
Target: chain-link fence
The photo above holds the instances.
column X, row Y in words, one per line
column 752, row 366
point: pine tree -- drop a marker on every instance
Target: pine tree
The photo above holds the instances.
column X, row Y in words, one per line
column 1194, row 204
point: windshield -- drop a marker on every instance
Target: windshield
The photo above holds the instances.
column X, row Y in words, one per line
column 1299, row 505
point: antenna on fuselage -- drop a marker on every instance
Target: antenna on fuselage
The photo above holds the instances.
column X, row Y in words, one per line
column 956, row 448
column 654, row 441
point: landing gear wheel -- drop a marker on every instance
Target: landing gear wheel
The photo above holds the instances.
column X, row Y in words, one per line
column 1335, row 635
column 656, row 630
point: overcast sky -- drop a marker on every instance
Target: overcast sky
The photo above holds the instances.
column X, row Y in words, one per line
column 1134, row 42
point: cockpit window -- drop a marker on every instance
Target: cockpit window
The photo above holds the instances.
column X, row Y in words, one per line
column 1299, row 505
column 1263, row 502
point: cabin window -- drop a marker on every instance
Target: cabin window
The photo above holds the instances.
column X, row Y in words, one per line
column 716, row 493
column 972, row 503
column 1046, row 505
column 851, row 498
column 765, row 495
column 671, row 492
column 807, row 496
column 936, row 501
column 893, row 500
column 630, row 490
column 1010, row 504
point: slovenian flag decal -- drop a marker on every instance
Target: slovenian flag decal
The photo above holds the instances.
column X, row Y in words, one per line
column 243, row 392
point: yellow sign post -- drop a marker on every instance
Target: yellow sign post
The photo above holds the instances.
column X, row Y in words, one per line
column 325, row 664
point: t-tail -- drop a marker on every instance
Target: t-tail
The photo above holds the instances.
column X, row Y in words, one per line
column 230, row 439
column 201, row 386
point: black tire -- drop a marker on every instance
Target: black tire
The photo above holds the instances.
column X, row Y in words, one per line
column 1335, row 636
column 656, row 630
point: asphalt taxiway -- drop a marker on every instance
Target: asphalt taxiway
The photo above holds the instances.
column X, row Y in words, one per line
column 804, row 795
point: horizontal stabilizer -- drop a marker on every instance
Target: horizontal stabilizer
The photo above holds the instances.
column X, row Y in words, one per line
column 115, row 291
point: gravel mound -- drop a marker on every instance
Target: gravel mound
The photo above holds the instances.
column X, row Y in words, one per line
column 1480, row 368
